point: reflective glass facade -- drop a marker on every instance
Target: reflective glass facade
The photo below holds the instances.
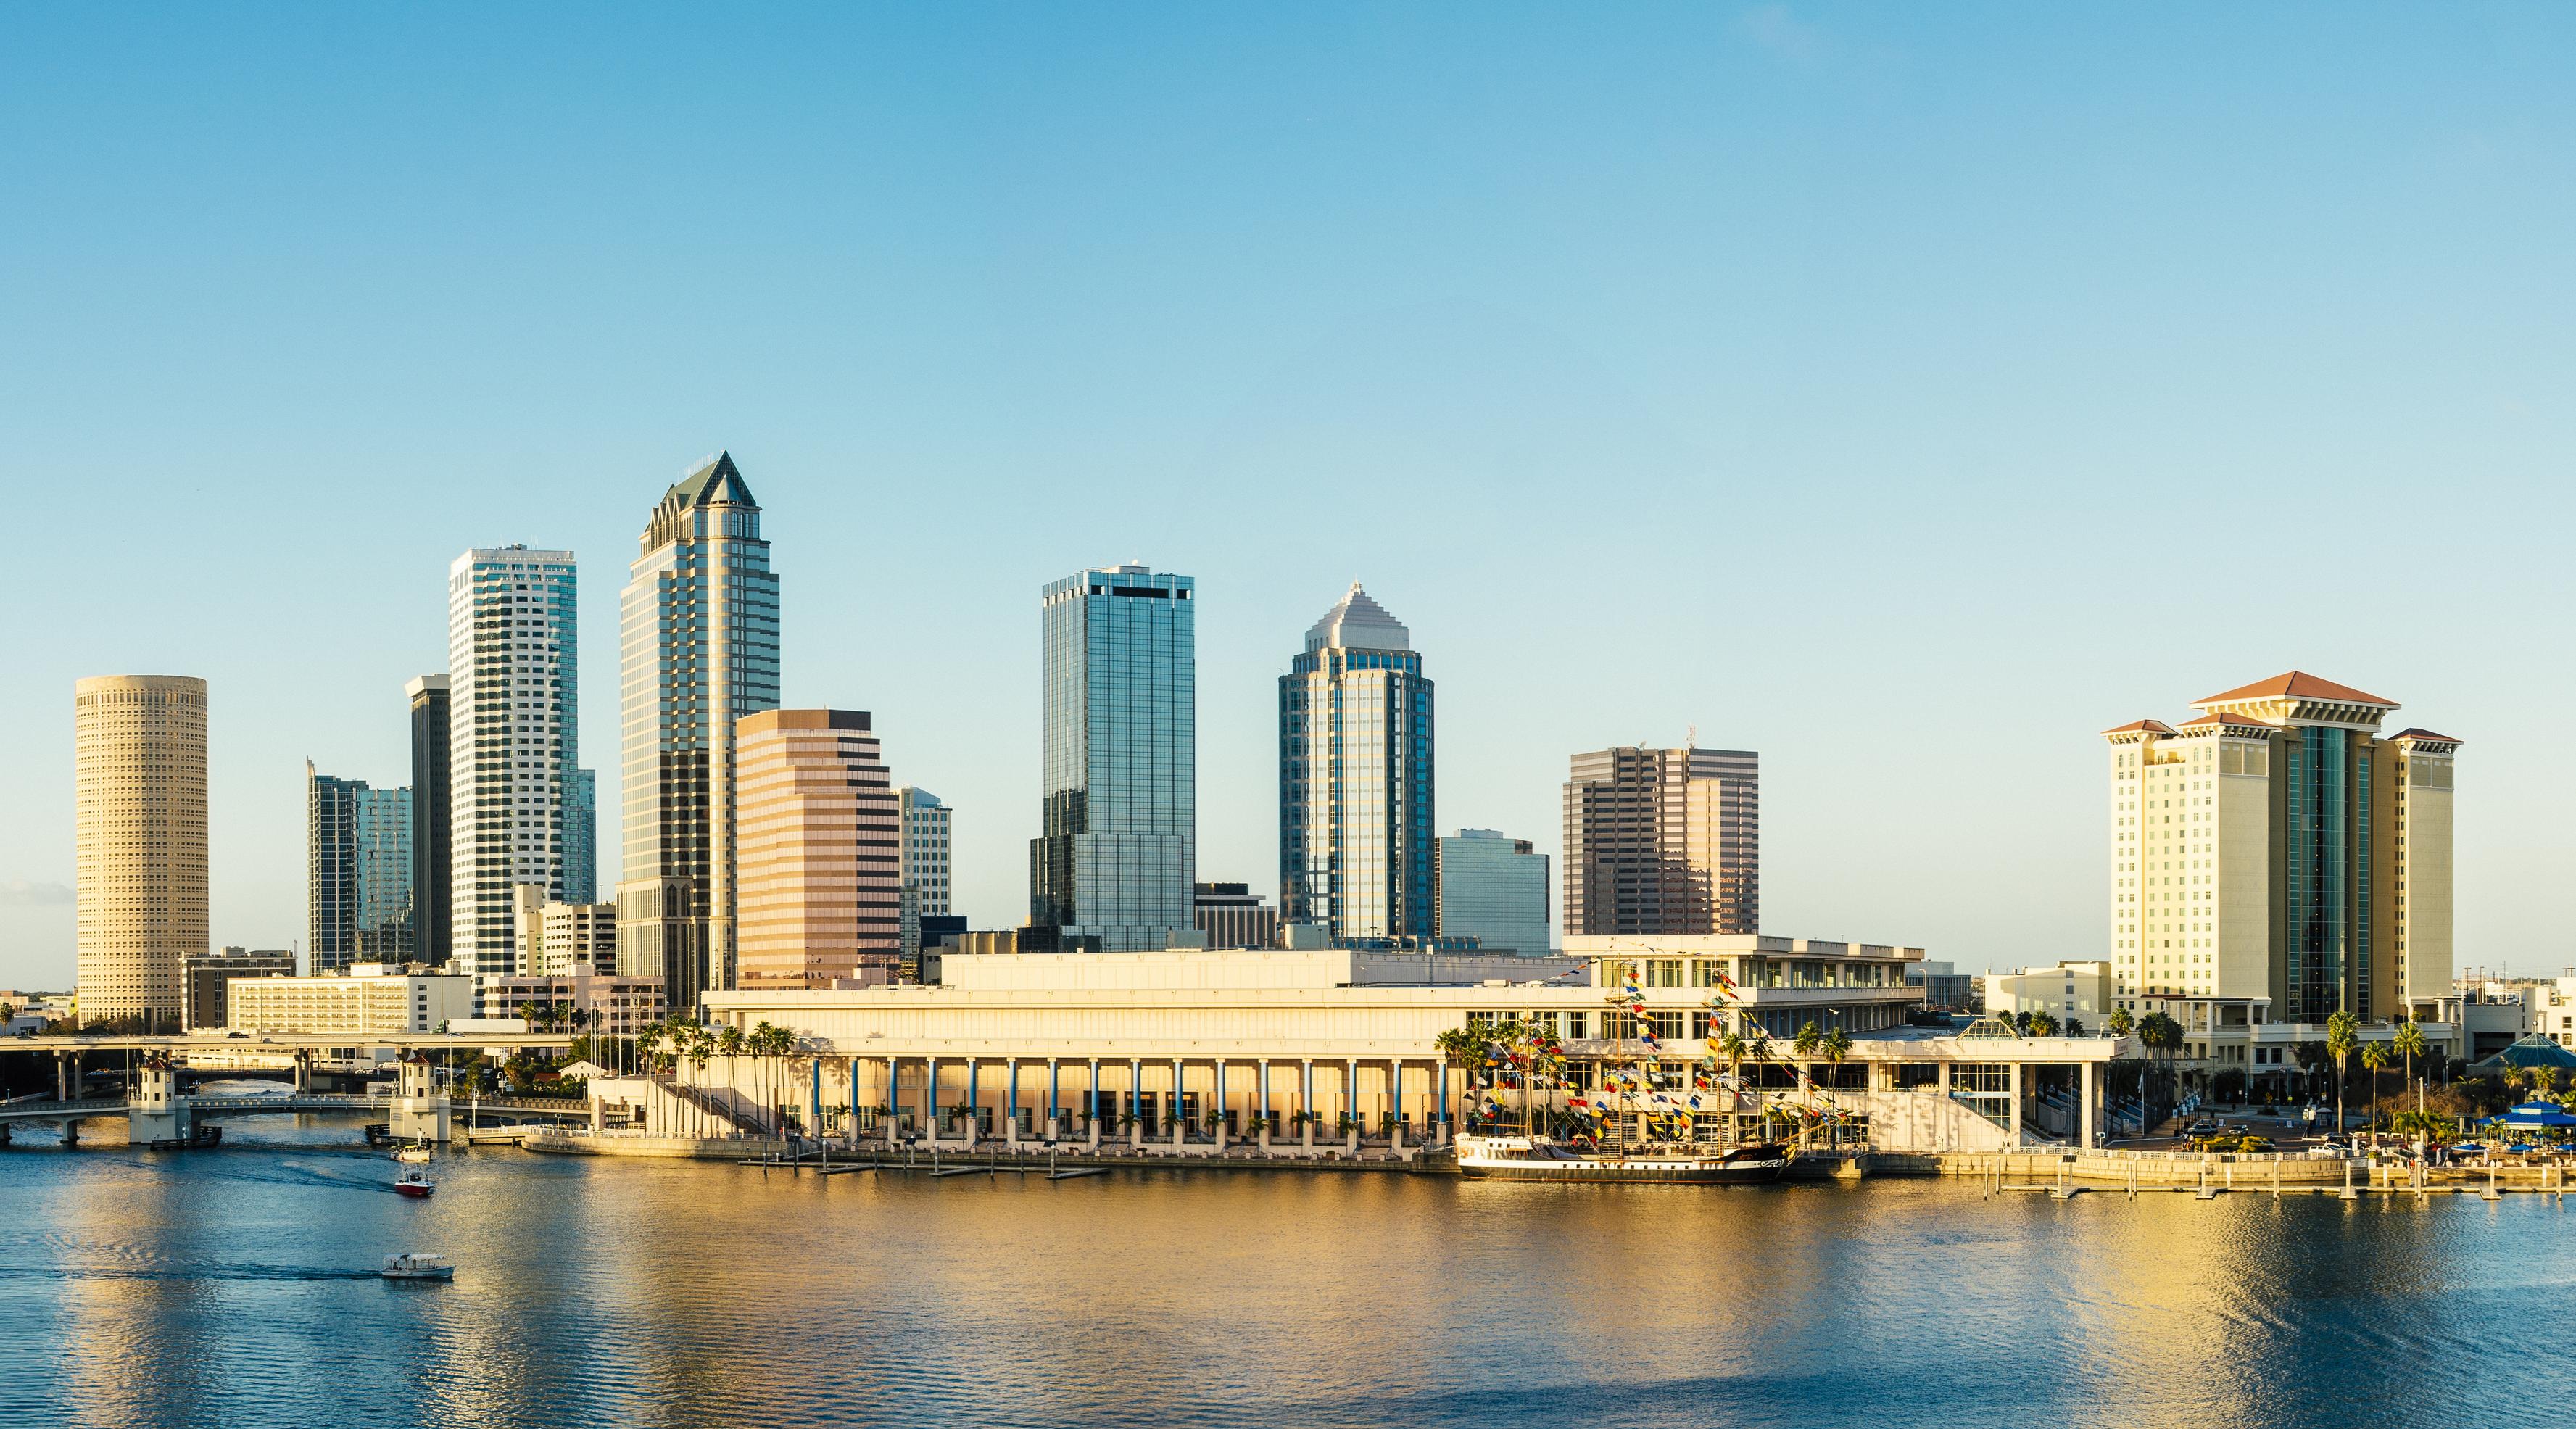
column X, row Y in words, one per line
column 1355, row 778
column 1493, row 889
column 698, row 650
column 385, row 903
column 1113, row 866
column 581, row 837
column 358, row 873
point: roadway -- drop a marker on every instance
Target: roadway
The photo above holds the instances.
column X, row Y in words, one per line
column 283, row 1041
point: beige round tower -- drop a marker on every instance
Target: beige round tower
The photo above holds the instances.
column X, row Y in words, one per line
column 139, row 771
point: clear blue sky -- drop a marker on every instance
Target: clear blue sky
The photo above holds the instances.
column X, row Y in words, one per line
column 1905, row 392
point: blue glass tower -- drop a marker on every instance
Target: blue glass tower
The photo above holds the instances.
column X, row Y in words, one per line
column 1355, row 778
column 1113, row 866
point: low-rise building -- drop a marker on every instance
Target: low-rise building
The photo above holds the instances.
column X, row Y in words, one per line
column 610, row 1004
column 368, row 999
column 1945, row 988
column 2076, row 993
column 1233, row 916
column 204, row 977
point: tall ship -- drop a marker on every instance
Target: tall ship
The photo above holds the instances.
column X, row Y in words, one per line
column 1592, row 1140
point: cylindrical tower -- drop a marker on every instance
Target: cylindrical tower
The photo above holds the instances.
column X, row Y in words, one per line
column 139, row 774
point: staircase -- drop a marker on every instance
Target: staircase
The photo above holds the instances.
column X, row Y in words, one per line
column 724, row 1108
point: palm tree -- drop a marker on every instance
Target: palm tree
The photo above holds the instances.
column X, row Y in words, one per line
column 2343, row 1033
column 2410, row 1045
column 2121, row 1023
column 1462, row 1047
column 1805, row 1045
column 2374, row 1057
column 1837, row 1045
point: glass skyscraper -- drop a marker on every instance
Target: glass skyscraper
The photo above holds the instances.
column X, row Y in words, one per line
column 698, row 651
column 1355, row 778
column 513, row 693
column 429, row 825
column 358, row 873
column 1493, row 889
column 1113, row 867
column 387, row 912
column 581, row 838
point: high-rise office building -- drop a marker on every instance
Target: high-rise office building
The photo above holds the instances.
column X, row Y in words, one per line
column 925, row 849
column 430, row 873
column 1117, row 853
column 820, row 858
column 386, row 908
column 1355, row 777
column 330, row 870
column 1663, row 841
column 2280, row 847
column 512, row 636
column 1493, row 889
column 581, row 837
column 698, row 651
column 1233, row 916
column 139, row 820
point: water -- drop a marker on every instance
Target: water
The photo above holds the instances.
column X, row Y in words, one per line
column 235, row 1287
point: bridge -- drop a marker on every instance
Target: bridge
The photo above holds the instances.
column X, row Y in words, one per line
column 158, row 1114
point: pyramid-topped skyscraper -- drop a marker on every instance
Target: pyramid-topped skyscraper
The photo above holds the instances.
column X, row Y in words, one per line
column 1355, row 777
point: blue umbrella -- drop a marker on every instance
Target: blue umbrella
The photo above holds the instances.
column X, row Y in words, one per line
column 2535, row 1114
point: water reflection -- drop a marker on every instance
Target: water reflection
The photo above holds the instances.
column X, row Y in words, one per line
column 221, row 1288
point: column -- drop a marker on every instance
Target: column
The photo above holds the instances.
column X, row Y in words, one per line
column 1094, row 1103
column 1180, row 1126
column 893, row 1101
column 1264, row 1078
column 1351, row 1101
column 1306, row 1103
column 2084, row 1076
column 974, row 1102
column 1136, row 1102
column 1011, row 1114
column 1395, row 1102
column 1440, row 1069
column 2016, row 1103
column 1220, row 1106
column 854, row 1104
column 930, row 1099
column 1053, row 1092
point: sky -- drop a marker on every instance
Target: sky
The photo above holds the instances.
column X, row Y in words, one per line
column 1908, row 393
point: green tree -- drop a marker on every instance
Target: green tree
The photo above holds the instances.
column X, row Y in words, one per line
column 2121, row 1023
column 2410, row 1045
column 2343, row 1033
column 2041, row 1025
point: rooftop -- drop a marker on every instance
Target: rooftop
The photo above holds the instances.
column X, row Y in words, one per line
column 2296, row 685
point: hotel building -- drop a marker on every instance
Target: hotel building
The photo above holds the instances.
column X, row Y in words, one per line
column 1663, row 841
column 2280, row 854
column 1116, row 856
column 139, row 820
column 367, row 999
column 512, row 628
column 820, row 855
column 698, row 651
column 1355, row 778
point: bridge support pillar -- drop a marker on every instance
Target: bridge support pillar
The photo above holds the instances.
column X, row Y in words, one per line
column 155, row 1114
column 63, row 1075
column 420, row 1110
column 71, row 1133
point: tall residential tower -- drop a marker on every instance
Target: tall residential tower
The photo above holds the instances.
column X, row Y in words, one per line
column 430, row 888
column 139, row 820
column 698, row 650
column 511, row 748
column 1117, row 853
column 1355, row 778
column 2280, row 848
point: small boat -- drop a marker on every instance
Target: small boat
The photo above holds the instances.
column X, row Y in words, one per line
column 414, row 1266
column 414, row 1183
column 413, row 1155
column 1539, row 1158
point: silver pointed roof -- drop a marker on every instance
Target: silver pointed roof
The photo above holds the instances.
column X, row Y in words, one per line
column 1359, row 623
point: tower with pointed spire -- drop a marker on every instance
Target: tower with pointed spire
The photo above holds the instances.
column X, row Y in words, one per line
column 1355, row 777
column 698, row 650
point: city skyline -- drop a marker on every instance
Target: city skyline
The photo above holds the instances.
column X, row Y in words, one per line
column 1886, row 419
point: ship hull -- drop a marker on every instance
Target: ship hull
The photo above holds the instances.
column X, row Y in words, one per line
column 1758, row 1168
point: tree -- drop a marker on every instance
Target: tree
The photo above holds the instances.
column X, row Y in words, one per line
column 2041, row 1025
column 2162, row 1036
column 1463, row 1047
column 2075, row 1027
column 1836, row 1046
column 2121, row 1023
column 2374, row 1057
column 2343, row 1033
column 2410, row 1045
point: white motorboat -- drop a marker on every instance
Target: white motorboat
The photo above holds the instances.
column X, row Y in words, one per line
column 412, row 1265
column 412, row 1155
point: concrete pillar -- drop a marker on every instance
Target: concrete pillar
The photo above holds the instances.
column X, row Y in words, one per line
column 1094, row 1135
column 1011, row 1113
column 2016, row 1103
column 1220, row 1106
column 1306, row 1103
column 1180, row 1125
column 1136, row 1103
column 893, row 1101
column 1351, row 1101
column 1395, row 1103
column 974, row 1102
column 2084, row 1076
column 930, row 1099
column 1054, row 1089
column 63, row 1076
column 1264, row 1078
column 1945, row 1081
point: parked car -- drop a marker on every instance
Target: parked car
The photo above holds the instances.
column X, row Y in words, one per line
column 2202, row 1127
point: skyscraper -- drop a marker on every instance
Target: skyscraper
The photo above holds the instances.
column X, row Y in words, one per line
column 698, row 651
column 821, row 891
column 512, row 745
column 2280, row 847
column 1663, row 841
column 1493, row 889
column 330, row 870
column 386, row 908
column 1355, row 777
column 430, row 874
column 925, row 850
column 581, row 837
column 139, row 818
column 1112, row 867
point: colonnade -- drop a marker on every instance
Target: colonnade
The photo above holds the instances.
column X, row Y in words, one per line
column 1269, row 1101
